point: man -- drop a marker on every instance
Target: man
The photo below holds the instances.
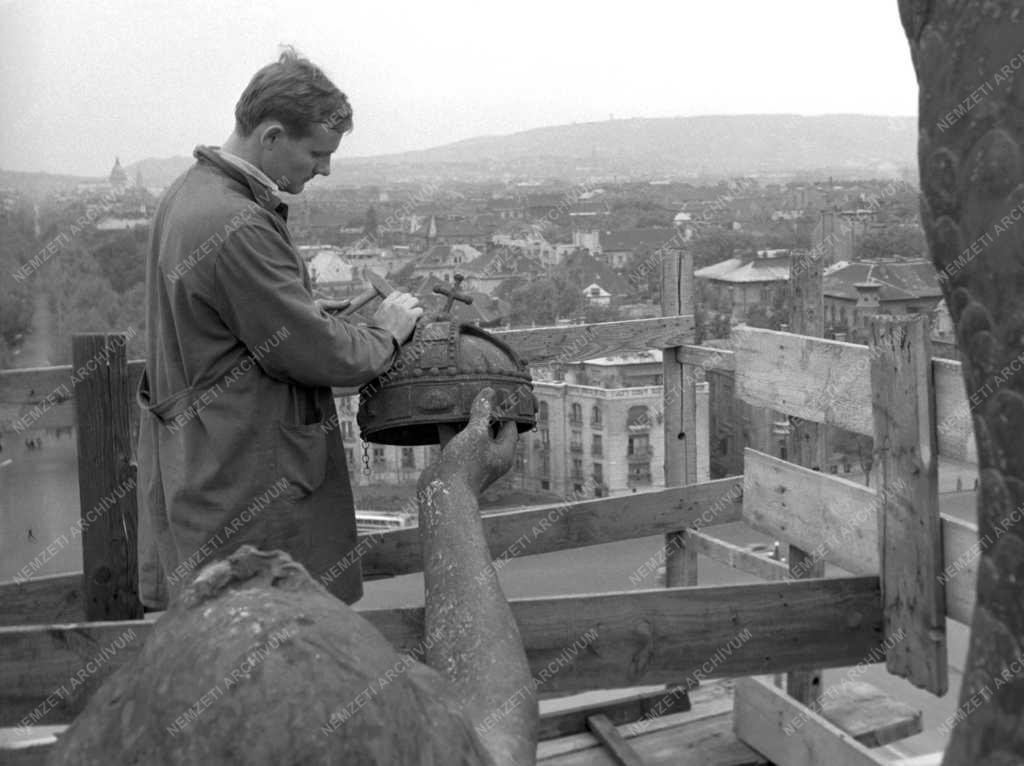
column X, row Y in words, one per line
column 254, row 663
column 239, row 439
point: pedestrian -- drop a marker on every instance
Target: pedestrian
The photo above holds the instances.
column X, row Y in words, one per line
column 239, row 440
column 31, row 535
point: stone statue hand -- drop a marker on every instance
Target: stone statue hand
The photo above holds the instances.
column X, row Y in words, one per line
column 474, row 457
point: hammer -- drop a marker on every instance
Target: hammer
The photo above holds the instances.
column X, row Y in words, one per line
column 378, row 287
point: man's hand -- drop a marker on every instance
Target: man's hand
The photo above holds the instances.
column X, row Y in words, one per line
column 398, row 313
column 473, row 455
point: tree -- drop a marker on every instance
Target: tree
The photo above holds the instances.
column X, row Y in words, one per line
column 893, row 240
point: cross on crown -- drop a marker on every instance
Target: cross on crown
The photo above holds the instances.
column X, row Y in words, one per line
column 453, row 293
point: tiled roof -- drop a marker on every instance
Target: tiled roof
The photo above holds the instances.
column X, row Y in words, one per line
column 735, row 270
column 900, row 280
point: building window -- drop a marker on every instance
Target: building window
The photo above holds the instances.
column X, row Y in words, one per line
column 545, row 437
column 542, row 412
column 596, row 445
column 346, row 429
column 640, row 473
column 595, row 416
column 639, row 446
column 577, row 469
column 576, row 441
column 576, row 414
column 638, row 419
column 378, row 455
column 545, row 484
column 408, row 458
column 598, row 473
column 348, row 455
column 520, row 464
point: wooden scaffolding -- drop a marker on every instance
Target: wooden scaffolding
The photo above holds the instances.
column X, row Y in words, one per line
column 909, row 567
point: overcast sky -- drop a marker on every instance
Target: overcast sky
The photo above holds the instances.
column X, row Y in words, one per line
column 85, row 80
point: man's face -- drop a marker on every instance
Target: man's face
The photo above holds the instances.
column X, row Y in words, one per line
column 292, row 161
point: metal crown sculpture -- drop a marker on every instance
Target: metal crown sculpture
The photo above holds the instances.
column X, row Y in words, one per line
column 438, row 373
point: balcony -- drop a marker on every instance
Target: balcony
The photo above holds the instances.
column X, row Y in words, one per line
column 575, row 422
column 597, row 451
column 640, row 453
column 596, row 424
column 576, row 447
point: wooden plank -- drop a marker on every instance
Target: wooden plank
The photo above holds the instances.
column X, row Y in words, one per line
column 586, row 341
column 868, row 714
column 556, row 527
column 736, row 556
column 680, row 408
column 909, row 525
column 43, row 397
column 579, row 643
column 807, row 442
column 786, row 732
column 680, row 561
column 825, row 381
column 835, row 519
column 954, row 424
column 710, row 702
column 573, row 720
column 614, row 743
column 961, row 549
column 705, row 739
column 32, row 748
column 707, row 357
column 41, row 600
column 106, row 478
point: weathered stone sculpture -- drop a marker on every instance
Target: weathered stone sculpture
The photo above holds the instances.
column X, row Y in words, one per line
column 969, row 58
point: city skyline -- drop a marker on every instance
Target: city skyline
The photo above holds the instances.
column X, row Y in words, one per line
column 86, row 83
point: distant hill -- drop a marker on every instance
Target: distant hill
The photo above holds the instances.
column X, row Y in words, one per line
column 693, row 145
column 38, row 185
column 847, row 145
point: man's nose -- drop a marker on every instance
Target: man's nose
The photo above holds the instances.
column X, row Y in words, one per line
column 324, row 168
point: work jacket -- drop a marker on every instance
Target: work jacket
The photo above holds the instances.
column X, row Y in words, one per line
column 239, row 439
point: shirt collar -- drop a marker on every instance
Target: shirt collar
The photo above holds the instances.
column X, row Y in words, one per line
column 260, row 184
column 245, row 166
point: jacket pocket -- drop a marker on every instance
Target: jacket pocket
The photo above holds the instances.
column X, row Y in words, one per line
column 300, row 455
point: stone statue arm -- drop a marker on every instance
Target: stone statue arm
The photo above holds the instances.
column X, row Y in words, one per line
column 471, row 635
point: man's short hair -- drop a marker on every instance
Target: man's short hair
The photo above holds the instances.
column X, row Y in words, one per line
column 296, row 92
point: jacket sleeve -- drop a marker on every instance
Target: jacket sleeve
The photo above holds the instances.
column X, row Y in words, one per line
column 262, row 298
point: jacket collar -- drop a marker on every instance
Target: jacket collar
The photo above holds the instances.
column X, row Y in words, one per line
column 261, row 193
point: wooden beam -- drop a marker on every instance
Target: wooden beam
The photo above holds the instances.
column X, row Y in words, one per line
column 648, row 705
column 868, row 714
column 736, row 556
column 43, row 397
column 578, row 642
column 680, row 408
column 909, row 525
column 704, row 734
column 106, row 477
column 615, row 744
column 779, row 727
column 707, row 357
column 824, row 381
column 556, row 527
column 586, row 341
column 954, row 424
column 807, row 441
column 836, row 519
column 42, row 600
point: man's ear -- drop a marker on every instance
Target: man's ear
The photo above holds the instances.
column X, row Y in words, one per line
column 270, row 134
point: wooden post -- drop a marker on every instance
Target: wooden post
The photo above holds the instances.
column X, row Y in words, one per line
column 806, row 444
column 106, row 477
column 680, row 393
column 909, row 526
